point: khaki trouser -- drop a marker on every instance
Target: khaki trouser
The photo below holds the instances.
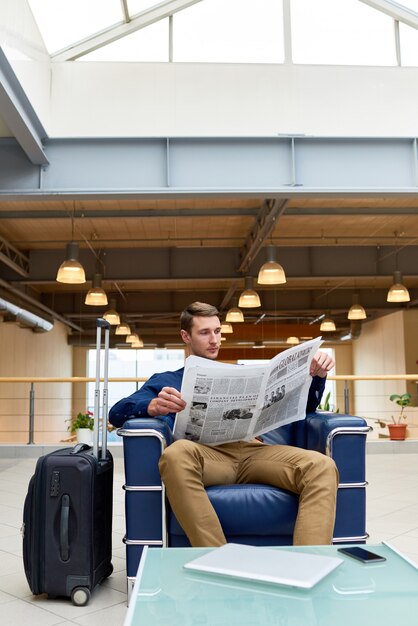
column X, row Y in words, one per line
column 187, row 468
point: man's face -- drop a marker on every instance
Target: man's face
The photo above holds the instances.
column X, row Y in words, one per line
column 204, row 338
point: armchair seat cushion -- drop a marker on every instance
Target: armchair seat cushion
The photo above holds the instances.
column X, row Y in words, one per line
column 263, row 511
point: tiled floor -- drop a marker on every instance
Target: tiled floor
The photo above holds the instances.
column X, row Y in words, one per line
column 392, row 515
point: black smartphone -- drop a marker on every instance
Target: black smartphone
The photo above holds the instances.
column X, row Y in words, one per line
column 365, row 556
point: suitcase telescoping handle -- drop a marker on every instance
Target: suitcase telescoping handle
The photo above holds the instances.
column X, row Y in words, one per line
column 101, row 323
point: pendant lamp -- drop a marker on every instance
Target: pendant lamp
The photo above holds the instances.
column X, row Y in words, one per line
column 356, row 311
column 71, row 271
column 327, row 325
column 249, row 298
column 398, row 292
column 111, row 315
column 271, row 273
column 96, row 296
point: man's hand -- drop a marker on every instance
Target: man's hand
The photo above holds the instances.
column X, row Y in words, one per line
column 168, row 401
column 321, row 364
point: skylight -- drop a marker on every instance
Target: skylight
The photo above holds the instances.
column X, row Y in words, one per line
column 347, row 32
column 63, row 22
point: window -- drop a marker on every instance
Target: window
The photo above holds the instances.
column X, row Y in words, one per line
column 236, row 31
column 346, row 32
column 131, row 364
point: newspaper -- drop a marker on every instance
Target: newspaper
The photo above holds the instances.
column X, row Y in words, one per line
column 238, row 402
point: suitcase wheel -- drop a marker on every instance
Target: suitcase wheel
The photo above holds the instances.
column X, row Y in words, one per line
column 80, row 596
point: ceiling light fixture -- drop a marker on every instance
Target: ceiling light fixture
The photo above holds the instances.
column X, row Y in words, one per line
column 234, row 315
column 138, row 343
column 327, row 325
column 271, row 273
column 71, row 272
column 226, row 328
column 293, row 341
column 111, row 315
column 398, row 292
column 249, row 298
column 123, row 328
column 356, row 311
column 96, row 296
column 134, row 339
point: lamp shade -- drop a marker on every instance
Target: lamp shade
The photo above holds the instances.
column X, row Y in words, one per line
column 133, row 336
column 226, row 327
column 293, row 341
column 234, row 315
column 327, row 325
column 111, row 315
column 123, row 328
column 96, row 296
column 356, row 311
column 71, row 271
column 271, row 273
column 138, row 343
column 398, row 292
column 249, row 298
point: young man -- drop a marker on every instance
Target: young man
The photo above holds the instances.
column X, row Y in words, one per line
column 188, row 467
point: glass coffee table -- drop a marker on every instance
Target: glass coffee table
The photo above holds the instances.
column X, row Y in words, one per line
column 354, row 594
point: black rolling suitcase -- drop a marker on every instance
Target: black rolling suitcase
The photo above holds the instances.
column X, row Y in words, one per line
column 67, row 518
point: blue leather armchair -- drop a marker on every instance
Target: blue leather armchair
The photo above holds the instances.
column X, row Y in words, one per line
column 254, row 513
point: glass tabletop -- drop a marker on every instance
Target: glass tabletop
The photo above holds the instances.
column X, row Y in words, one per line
column 165, row 593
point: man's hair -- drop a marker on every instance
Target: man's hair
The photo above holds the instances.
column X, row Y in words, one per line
column 196, row 309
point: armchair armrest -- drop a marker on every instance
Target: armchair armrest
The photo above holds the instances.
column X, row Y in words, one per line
column 343, row 438
column 144, row 439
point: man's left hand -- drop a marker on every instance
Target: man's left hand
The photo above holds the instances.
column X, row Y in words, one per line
column 321, row 364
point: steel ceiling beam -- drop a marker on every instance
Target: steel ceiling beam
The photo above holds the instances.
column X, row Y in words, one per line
column 132, row 265
column 10, row 256
column 19, row 115
column 141, row 20
column 257, row 167
column 204, row 212
column 126, row 214
column 266, row 220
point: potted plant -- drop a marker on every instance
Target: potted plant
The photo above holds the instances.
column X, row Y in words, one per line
column 397, row 427
column 83, row 426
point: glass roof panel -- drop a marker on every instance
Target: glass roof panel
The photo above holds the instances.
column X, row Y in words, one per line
column 410, row 4
column 137, row 6
column 346, row 32
column 409, row 45
column 147, row 44
column 237, row 31
column 63, row 22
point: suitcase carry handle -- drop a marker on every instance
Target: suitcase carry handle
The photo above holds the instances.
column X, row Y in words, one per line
column 64, row 523
column 101, row 323
column 80, row 447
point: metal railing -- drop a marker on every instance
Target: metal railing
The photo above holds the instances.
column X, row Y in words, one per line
column 33, row 381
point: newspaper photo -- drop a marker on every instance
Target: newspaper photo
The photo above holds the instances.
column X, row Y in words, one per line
column 238, row 402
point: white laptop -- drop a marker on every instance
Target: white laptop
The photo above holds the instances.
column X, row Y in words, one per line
column 282, row 567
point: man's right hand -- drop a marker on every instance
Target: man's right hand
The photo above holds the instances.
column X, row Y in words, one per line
column 168, row 401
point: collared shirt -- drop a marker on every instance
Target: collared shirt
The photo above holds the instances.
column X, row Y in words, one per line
column 136, row 405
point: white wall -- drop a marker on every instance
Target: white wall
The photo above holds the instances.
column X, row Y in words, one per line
column 381, row 349
column 23, row 45
column 162, row 99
